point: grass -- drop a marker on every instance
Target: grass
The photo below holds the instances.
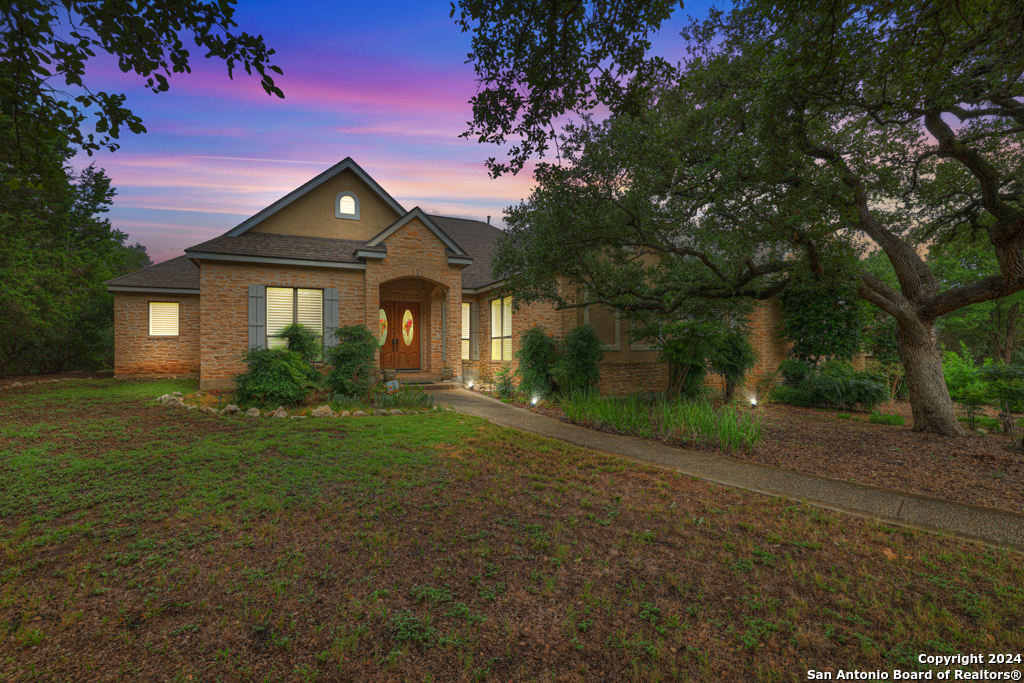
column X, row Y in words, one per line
column 138, row 542
column 690, row 421
column 886, row 419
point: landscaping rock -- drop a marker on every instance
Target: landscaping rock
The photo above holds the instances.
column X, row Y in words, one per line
column 981, row 431
column 414, row 412
column 324, row 411
column 280, row 412
column 359, row 413
column 395, row 412
column 297, row 417
column 345, row 413
column 16, row 384
column 162, row 399
column 190, row 407
column 176, row 394
column 208, row 409
column 231, row 410
column 253, row 412
column 380, row 412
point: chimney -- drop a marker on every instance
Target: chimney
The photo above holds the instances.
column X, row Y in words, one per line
column 488, row 220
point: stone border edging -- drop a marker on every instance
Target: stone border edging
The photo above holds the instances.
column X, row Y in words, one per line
column 1001, row 528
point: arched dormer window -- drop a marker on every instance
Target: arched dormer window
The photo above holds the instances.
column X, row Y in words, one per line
column 346, row 205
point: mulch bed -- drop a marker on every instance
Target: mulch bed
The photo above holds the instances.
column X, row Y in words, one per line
column 974, row 469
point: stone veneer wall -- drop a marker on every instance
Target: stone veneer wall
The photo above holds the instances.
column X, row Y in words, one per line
column 618, row 377
column 416, row 252
column 137, row 353
column 557, row 323
column 225, row 308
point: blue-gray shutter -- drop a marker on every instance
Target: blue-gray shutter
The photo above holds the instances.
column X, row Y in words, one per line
column 330, row 316
column 474, row 330
column 257, row 316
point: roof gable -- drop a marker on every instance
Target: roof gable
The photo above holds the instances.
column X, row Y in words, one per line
column 416, row 212
column 346, row 165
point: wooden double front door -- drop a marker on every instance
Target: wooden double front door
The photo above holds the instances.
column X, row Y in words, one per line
column 400, row 334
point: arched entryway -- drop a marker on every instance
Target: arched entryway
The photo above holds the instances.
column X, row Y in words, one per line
column 409, row 323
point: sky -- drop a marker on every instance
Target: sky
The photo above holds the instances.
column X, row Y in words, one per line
column 383, row 83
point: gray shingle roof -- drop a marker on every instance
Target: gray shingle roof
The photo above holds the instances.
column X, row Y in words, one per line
column 177, row 273
column 479, row 240
column 272, row 245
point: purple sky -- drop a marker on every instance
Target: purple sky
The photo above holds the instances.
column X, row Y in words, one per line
column 384, row 83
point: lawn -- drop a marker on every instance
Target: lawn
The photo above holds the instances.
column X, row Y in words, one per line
column 139, row 542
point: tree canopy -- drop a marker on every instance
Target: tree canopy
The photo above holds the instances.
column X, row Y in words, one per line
column 45, row 46
column 789, row 140
column 56, row 250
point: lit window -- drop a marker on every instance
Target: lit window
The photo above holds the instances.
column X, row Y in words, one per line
column 288, row 305
column 163, row 319
column 501, row 329
column 465, row 331
column 346, row 205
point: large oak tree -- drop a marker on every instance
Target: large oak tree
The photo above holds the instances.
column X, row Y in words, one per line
column 786, row 142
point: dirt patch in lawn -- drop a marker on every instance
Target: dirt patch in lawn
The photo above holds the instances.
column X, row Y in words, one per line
column 975, row 469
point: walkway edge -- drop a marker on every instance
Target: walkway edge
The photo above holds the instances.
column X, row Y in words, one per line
column 1001, row 528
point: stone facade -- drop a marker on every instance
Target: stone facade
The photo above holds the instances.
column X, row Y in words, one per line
column 416, row 255
column 137, row 353
column 225, row 308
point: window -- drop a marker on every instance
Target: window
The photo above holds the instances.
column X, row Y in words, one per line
column 346, row 205
column 287, row 305
column 465, row 331
column 163, row 319
column 501, row 329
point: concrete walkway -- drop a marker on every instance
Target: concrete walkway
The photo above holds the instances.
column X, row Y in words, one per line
column 997, row 527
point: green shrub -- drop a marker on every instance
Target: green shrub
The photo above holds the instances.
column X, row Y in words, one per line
column 304, row 342
column 732, row 357
column 962, row 375
column 886, row 419
column 353, row 371
column 273, row 377
column 843, row 416
column 408, row 397
column 504, row 383
column 536, row 355
column 576, row 369
column 1005, row 383
column 834, row 385
column 794, row 371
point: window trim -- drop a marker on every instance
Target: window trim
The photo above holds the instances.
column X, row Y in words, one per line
column 505, row 306
column 295, row 313
column 337, row 206
column 149, row 320
column 617, row 346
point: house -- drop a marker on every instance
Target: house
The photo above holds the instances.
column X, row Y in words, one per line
column 338, row 251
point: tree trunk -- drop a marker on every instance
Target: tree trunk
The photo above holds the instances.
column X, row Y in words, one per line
column 933, row 409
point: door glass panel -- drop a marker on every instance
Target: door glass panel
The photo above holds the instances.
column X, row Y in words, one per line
column 407, row 327
column 382, row 335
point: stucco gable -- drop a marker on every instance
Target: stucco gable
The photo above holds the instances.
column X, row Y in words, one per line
column 311, row 210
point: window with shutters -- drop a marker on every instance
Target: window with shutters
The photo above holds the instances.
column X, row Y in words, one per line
column 289, row 305
column 501, row 329
column 163, row 319
column 465, row 331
